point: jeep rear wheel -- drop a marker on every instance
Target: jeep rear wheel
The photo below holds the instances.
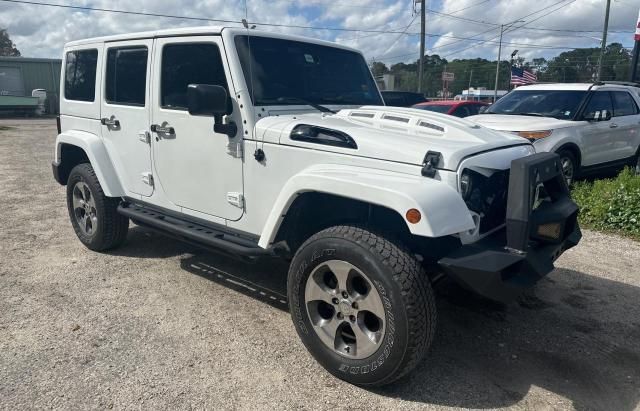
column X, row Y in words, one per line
column 93, row 215
column 362, row 305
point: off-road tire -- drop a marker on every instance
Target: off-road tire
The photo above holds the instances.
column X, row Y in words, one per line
column 111, row 230
column 409, row 304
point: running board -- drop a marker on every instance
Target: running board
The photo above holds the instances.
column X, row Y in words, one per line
column 198, row 233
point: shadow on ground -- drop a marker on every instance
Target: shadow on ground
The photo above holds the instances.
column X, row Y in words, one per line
column 578, row 336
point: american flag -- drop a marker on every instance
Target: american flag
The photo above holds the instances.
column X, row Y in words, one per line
column 520, row 76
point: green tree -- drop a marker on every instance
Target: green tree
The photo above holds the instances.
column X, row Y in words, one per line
column 378, row 68
column 7, row 48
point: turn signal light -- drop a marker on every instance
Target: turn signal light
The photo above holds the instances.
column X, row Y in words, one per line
column 550, row 230
column 413, row 216
column 534, row 135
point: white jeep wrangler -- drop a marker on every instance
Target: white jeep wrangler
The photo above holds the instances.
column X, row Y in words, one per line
column 262, row 144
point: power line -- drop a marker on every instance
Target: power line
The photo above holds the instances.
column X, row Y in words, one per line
column 523, row 25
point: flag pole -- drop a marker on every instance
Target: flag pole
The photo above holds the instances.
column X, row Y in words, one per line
column 635, row 74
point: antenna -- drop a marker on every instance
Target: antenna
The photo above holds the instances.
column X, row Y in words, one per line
column 258, row 154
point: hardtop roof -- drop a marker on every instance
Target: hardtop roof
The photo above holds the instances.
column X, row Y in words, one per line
column 199, row 31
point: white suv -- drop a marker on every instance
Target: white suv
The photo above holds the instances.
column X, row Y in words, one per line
column 591, row 126
column 261, row 144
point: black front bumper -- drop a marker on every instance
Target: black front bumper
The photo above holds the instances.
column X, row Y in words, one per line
column 513, row 259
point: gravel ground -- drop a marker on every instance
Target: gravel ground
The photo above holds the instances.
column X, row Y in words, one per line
column 160, row 324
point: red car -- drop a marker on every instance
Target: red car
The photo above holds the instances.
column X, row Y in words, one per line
column 458, row 108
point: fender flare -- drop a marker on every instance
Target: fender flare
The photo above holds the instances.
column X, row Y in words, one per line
column 443, row 210
column 96, row 152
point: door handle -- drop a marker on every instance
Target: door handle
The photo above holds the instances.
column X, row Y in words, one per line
column 613, row 125
column 110, row 122
column 162, row 129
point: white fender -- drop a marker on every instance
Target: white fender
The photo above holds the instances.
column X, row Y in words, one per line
column 443, row 210
column 98, row 156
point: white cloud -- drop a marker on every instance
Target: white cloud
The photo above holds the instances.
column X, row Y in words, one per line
column 41, row 31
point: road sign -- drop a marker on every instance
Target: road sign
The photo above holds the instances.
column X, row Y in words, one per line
column 447, row 76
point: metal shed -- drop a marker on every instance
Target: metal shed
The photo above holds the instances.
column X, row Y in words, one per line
column 19, row 76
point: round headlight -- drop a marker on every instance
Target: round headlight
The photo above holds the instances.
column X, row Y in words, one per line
column 466, row 185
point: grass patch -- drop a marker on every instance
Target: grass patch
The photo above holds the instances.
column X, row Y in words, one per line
column 611, row 205
column 5, row 128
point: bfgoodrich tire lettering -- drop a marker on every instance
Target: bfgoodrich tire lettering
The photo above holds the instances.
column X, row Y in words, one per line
column 399, row 280
column 105, row 228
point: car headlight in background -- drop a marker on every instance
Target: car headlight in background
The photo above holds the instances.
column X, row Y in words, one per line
column 466, row 185
column 534, row 135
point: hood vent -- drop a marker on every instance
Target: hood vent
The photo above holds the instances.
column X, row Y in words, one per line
column 396, row 118
column 431, row 126
column 365, row 115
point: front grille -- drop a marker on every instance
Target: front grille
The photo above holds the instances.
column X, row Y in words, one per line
column 488, row 198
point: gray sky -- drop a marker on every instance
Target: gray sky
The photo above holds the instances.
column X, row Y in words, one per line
column 41, row 31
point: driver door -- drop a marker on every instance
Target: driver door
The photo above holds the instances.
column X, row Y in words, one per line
column 192, row 162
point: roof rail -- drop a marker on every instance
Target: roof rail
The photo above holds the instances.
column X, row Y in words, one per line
column 617, row 83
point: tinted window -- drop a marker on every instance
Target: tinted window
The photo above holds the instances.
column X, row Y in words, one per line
column 462, row 111
column 439, row 108
column 473, row 109
column 545, row 103
column 184, row 64
column 394, row 99
column 80, row 75
column 126, row 76
column 600, row 101
column 281, row 72
column 623, row 104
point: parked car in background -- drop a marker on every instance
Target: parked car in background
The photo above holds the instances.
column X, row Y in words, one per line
column 402, row 98
column 458, row 108
column 593, row 127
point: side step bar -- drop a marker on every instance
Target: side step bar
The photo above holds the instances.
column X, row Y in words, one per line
column 200, row 234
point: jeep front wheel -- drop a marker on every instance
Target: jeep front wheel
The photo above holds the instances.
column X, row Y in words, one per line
column 362, row 305
column 93, row 215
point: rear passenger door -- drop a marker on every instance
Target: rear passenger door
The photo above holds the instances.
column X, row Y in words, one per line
column 125, row 113
column 626, row 119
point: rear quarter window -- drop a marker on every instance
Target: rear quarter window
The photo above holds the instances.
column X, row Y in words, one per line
column 623, row 104
column 80, row 75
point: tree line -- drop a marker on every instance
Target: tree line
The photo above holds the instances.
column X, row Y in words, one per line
column 578, row 65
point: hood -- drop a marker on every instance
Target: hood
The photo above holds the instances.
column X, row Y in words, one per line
column 396, row 134
column 507, row 122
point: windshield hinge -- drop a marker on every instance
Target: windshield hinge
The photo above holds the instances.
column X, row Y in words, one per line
column 234, row 149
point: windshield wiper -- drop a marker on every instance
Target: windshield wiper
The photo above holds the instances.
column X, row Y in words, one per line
column 318, row 107
column 531, row 114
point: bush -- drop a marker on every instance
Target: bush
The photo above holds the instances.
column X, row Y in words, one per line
column 610, row 204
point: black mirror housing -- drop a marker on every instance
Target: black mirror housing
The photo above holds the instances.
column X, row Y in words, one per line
column 208, row 100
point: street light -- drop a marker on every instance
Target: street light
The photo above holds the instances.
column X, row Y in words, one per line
column 502, row 26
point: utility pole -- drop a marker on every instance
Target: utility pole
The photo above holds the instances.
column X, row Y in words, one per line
column 502, row 26
column 422, row 33
column 604, row 40
column 495, row 88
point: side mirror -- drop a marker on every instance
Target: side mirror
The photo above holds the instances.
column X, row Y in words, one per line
column 599, row 115
column 207, row 99
column 210, row 100
column 482, row 109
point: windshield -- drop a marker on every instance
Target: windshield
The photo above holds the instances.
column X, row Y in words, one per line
column 559, row 104
column 279, row 72
column 441, row 108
